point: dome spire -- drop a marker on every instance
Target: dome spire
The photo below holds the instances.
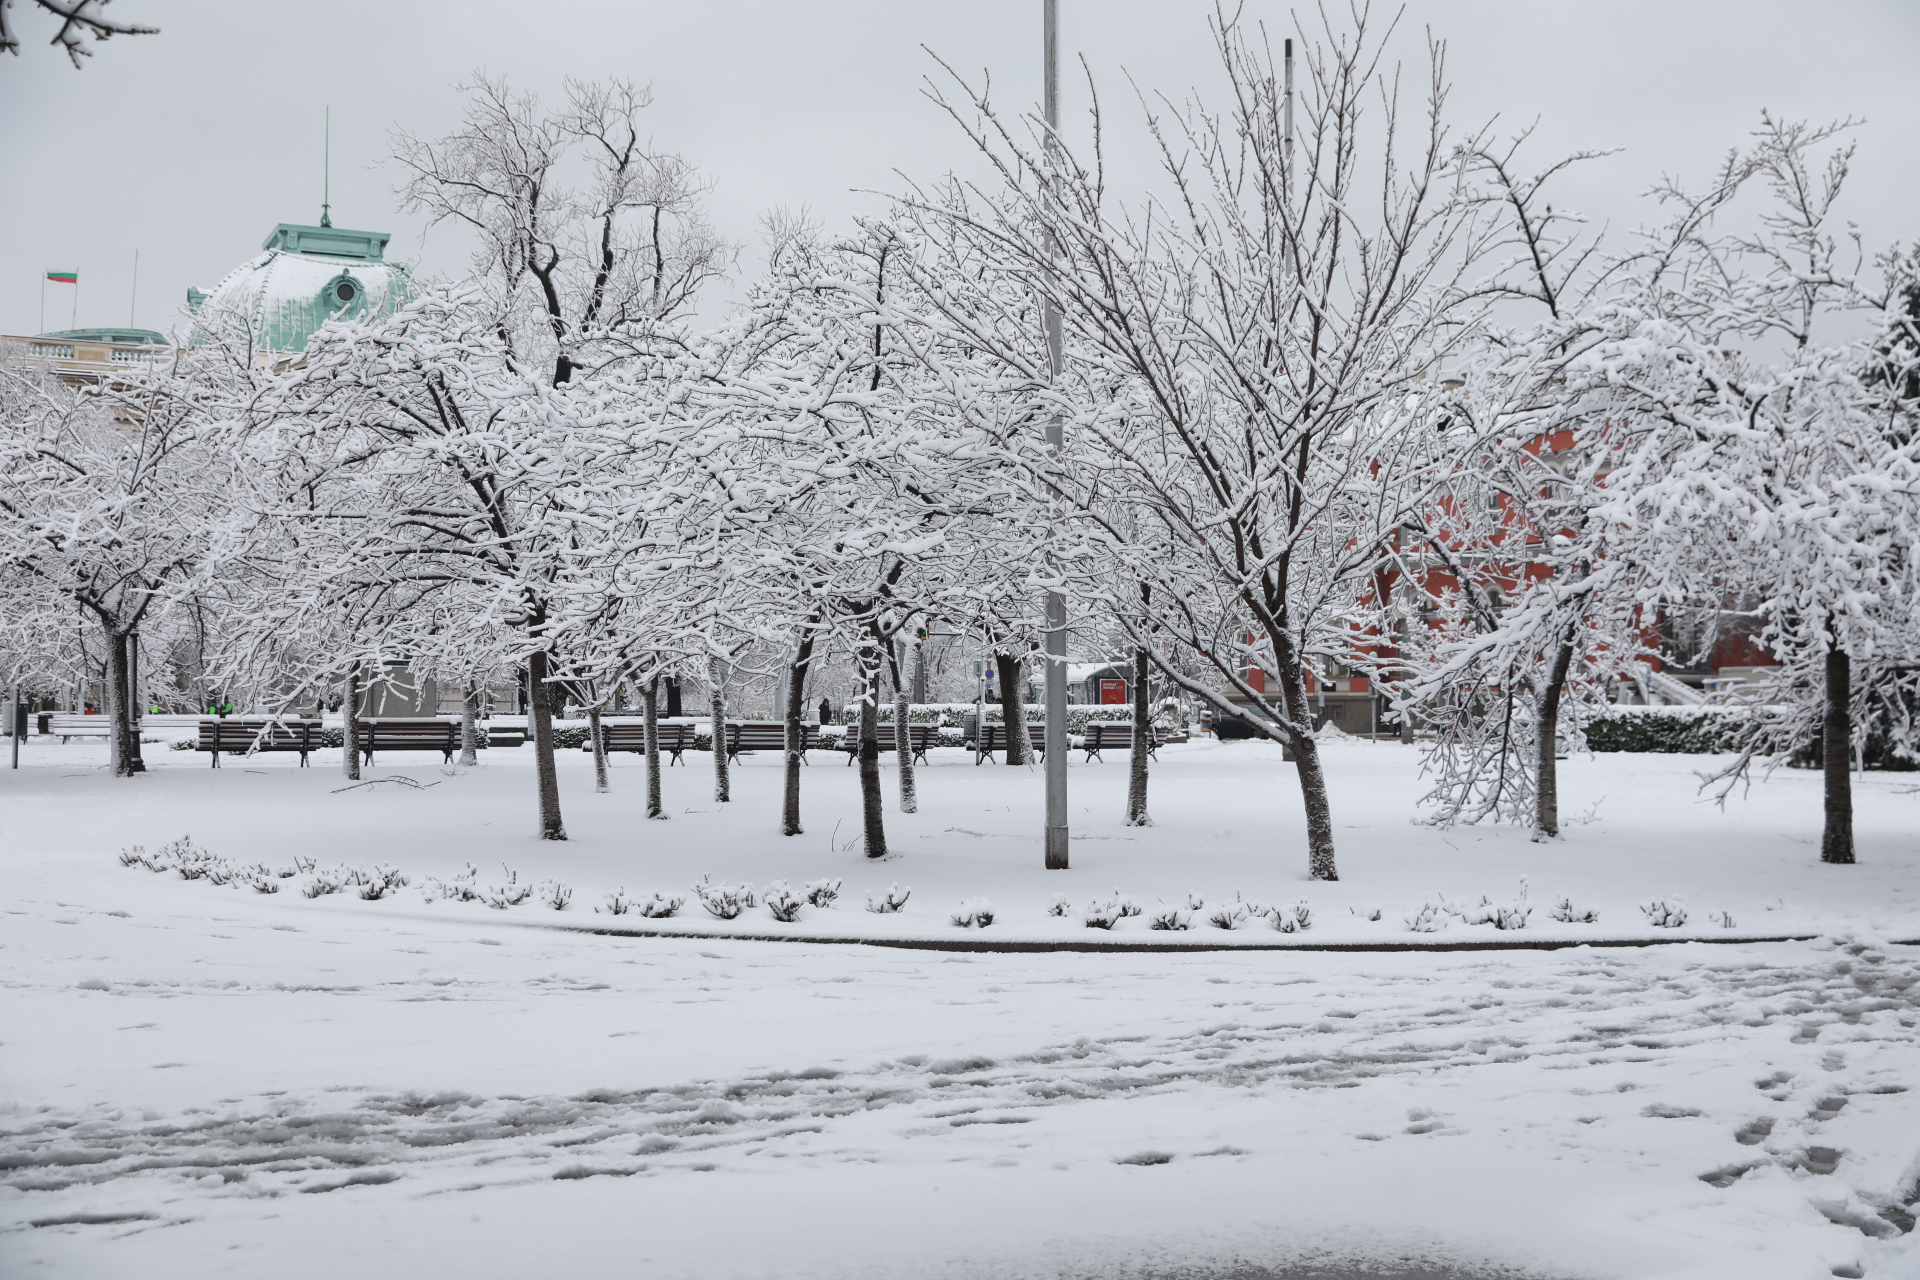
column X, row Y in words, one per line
column 326, row 171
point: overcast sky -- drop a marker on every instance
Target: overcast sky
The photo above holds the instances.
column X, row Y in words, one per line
column 190, row 145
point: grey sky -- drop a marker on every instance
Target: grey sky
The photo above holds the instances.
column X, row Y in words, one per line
column 192, row 144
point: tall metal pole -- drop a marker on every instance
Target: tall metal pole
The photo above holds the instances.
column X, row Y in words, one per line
column 15, row 721
column 1056, row 639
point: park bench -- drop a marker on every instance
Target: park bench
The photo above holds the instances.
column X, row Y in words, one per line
column 75, row 725
column 629, row 735
column 993, row 737
column 768, row 735
column 219, row 735
column 1117, row 735
column 919, row 738
column 409, row 735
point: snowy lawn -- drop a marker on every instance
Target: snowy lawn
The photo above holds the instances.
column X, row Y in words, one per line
column 185, row 1066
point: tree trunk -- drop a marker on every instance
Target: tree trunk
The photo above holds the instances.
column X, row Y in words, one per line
column 350, row 724
column 1142, row 731
column 871, row 804
column 1836, row 747
column 722, row 784
column 469, row 726
column 123, row 748
column 674, row 711
column 136, row 706
column 540, row 715
column 1013, row 713
column 795, row 712
column 1546, row 818
column 600, row 786
column 903, row 745
column 1313, row 779
column 652, row 731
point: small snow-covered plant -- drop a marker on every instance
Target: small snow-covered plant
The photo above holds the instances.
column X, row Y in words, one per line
column 1125, row 904
column 1430, row 917
column 381, row 881
column 1227, row 915
column 889, row 902
column 1302, row 915
column 1512, row 917
column 783, row 902
column 258, row 878
column 464, row 887
column 510, row 894
column 135, row 856
column 1370, row 913
column 556, row 894
column 1482, row 912
column 301, row 867
column 972, row 913
column 1059, row 905
column 1282, row 920
column 823, row 892
column 1101, row 913
column 1566, row 913
column 323, row 883
column 659, row 906
column 723, row 901
column 1665, row 913
column 616, row 903
column 1169, row 917
column 1195, row 902
column 1723, row 918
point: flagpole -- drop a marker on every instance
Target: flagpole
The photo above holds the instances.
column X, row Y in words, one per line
column 133, row 295
column 73, row 316
column 43, row 303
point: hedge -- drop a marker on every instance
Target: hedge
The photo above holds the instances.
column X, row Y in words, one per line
column 1672, row 730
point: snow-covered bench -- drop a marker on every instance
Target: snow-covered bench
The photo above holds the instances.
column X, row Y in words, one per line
column 919, row 738
column 409, row 735
column 223, row 736
column 1117, row 735
column 74, row 725
column 993, row 737
column 625, row 735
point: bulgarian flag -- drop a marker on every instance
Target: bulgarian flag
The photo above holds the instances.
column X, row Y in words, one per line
column 64, row 277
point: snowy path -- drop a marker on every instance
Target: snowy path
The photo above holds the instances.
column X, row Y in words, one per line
column 1646, row 1062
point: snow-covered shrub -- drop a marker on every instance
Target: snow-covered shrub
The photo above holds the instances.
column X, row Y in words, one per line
column 1723, row 918
column 1566, row 913
column 555, row 894
column 1169, row 917
column 1665, row 913
column 1059, row 905
column 973, row 913
column 659, row 906
column 723, row 901
column 1101, row 913
column 1302, row 915
column 322, row 883
column 570, row 737
column 823, row 892
column 136, row 856
column 258, row 878
column 1127, row 906
column 889, row 902
column 509, row 894
column 1689, row 730
column 380, row 882
column 616, row 903
column 783, row 902
column 1370, row 913
column 464, row 887
column 1430, row 917
column 1227, row 915
column 1513, row 916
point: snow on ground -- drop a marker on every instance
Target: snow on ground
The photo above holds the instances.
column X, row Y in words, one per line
column 207, row 1081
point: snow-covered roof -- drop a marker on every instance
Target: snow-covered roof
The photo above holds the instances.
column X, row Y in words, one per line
column 304, row 277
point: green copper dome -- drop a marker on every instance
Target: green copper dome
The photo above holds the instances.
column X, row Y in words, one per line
column 305, row 277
